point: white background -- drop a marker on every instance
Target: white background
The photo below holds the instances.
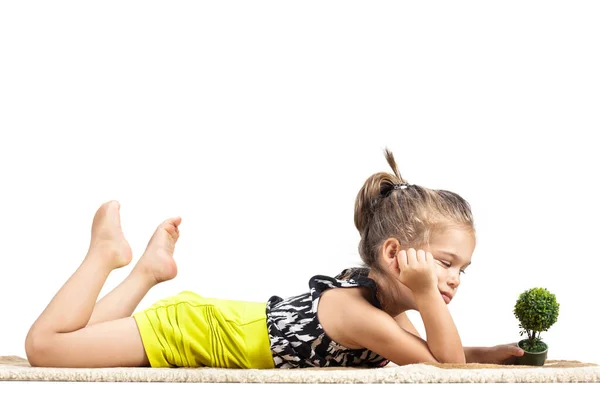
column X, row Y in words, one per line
column 258, row 122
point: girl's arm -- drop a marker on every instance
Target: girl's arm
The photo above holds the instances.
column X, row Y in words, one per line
column 442, row 336
column 352, row 321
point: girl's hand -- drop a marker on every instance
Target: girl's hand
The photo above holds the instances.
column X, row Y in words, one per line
column 506, row 354
column 417, row 270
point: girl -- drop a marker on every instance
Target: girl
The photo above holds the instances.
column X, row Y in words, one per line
column 415, row 243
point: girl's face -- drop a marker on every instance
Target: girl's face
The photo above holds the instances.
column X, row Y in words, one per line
column 452, row 250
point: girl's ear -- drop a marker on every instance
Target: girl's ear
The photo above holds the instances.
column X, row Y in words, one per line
column 390, row 249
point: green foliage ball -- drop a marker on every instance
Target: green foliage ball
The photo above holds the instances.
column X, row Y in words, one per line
column 536, row 309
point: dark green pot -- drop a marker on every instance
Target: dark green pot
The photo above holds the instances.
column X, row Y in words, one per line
column 537, row 359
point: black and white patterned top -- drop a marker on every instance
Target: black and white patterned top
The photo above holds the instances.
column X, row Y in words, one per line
column 298, row 339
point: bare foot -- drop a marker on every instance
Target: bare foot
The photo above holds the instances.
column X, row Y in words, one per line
column 107, row 235
column 157, row 262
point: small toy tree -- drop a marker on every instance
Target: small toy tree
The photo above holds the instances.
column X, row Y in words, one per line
column 537, row 310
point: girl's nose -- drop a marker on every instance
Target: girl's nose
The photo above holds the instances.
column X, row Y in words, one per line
column 453, row 280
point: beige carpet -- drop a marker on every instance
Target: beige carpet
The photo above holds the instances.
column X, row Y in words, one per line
column 18, row 369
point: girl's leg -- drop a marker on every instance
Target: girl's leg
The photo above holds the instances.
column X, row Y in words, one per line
column 59, row 337
column 156, row 265
column 103, row 345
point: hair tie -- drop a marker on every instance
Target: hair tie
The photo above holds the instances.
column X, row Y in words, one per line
column 402, row 185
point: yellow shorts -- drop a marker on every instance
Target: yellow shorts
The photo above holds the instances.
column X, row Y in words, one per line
column 188, row 330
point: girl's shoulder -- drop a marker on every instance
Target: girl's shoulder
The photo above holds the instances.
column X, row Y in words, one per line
column 341, row 308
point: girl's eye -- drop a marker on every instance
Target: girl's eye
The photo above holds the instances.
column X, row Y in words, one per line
column 445, row 263
column 463, row 271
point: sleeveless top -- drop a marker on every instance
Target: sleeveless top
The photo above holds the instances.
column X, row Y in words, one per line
column 297, row 337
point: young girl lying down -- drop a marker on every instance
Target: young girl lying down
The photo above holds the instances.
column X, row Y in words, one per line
column 415, row 244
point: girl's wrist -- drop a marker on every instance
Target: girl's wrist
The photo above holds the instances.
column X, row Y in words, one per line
column 476, row 354
column 426, row 294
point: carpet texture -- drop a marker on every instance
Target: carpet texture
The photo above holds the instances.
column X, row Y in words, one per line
column 14, row 368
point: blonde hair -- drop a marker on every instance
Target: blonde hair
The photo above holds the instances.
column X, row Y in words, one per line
column 387, row 206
